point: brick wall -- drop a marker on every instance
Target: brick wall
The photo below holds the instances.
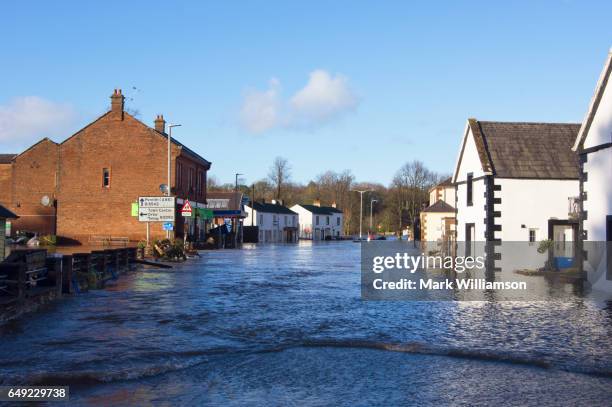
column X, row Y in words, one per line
column 137, row 159
column 5, row 184
column 33, row 176
column 72, row 173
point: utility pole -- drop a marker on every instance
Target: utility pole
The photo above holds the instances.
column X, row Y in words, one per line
column 169, row 192
column 360, row 208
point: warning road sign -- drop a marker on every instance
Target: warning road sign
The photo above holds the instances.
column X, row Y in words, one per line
column 186, row 210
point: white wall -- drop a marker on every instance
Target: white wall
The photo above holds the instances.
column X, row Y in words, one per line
column 271, row 225
column 310, row 230
column 470, row 163
column 531, row 203
column 598, row 189
column 599, row 193
column 471, row 214
column 434, row 223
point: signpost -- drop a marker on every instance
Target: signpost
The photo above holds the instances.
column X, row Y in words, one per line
column 156, row 208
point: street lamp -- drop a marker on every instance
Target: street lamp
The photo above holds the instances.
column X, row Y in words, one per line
column 236, row 185
column 360, row 208
column 169, row 164
column 371, row 206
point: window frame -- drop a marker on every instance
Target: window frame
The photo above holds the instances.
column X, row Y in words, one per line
column 469, row 193
column 106, row 170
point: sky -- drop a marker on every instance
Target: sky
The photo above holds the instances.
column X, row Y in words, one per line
column 363, row 86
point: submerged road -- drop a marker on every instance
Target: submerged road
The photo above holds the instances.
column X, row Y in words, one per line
column 285, row 325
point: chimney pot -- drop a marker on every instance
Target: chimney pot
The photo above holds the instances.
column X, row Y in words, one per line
column 117, row 103
column 160, row 123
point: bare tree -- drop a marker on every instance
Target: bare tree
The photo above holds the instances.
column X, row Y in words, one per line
column 279, row 175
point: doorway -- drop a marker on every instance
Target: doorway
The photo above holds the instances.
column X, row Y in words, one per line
column 470, row 234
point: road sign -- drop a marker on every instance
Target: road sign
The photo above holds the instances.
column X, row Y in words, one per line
column 157, row 202
column 187, row 210
column 156, row 208
column 156, row 215
column 168, row 226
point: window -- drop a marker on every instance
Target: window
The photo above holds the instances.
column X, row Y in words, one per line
column 532, row 235
column 327, row 220
column 285, row 220
column 260, row 220
column 179, row 175
column 338, row 221
column 317, row 220
column 470, row 189
column 191, row 179
column 106, row 177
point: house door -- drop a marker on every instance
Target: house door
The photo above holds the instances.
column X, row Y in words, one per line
column 470, row 232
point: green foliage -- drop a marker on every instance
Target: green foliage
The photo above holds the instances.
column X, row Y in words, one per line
column 545, row 246
column 48, row 240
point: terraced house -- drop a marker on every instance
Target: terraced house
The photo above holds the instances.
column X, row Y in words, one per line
column 83, row 187
column 319, row 222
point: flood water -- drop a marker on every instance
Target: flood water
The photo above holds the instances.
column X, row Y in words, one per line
column 285, row 325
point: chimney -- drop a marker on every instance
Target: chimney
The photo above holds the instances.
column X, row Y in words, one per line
column 160, row 123
column 117, row 103
column 317, row 202
column 334, row 204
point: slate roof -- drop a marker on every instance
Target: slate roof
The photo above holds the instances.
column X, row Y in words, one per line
column 527, row 150
column 6, row 214
column 7, row 158
column 272, row 208
column 439, row 206
column 321, row 210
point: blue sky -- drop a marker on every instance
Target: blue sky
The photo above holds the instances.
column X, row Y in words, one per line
column 364, row 86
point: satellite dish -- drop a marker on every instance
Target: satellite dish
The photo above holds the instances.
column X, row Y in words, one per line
column 45, row 200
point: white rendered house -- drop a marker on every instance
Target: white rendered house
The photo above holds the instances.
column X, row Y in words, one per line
column 517, row 182
column 319, row 222
column 594, row 145
column 276, row 223
column 438, row 219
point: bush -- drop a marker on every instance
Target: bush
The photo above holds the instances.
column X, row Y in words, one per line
column 48, row 240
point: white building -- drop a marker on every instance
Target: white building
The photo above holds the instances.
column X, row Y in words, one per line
column 276, row 223
column 594, row 144
column 438, row 219
column 517, row 182
column 319, row 222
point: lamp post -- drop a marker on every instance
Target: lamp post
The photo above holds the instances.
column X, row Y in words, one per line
column 360, row 208
column 169, row 164
column 371, row 207
column 236, row 184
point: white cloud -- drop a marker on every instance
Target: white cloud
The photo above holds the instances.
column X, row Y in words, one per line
column 27, row 119
column 323, row 99
column 261, row 110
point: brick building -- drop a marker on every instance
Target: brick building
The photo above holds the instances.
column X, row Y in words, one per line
column 94, row 176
